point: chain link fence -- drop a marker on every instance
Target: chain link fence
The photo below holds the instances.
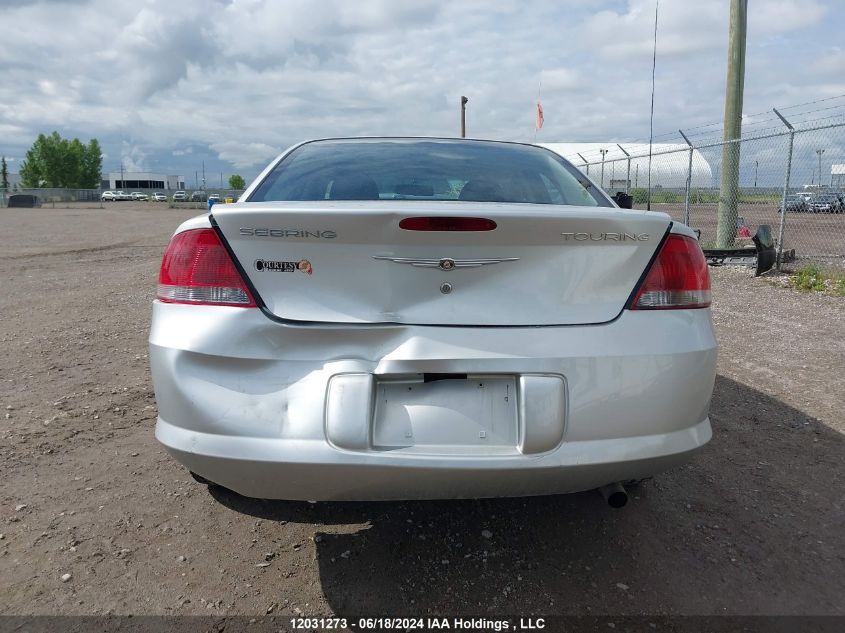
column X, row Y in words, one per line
column 801, row 170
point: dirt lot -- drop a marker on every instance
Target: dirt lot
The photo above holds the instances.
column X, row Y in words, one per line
column 752, row 526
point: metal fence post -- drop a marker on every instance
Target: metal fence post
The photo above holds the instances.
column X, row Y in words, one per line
column 628, row 176
column 785, row 188
column 689, row 179
column 603, row 152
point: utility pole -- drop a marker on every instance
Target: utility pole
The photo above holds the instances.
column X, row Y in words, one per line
column 464, row 101
column 603, row 152
column 122, row 183
column 756, row 166
column 729, row 189
column 203, row 175
column 820, row 152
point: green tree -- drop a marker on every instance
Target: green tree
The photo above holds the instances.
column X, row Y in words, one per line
column 4, row 175
column 53, row 161
column 236, row 182
column 92, row 165
column 32, row 166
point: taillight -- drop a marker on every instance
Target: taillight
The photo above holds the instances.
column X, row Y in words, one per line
column 197, row 269
column 443, row 223
column 678, row 278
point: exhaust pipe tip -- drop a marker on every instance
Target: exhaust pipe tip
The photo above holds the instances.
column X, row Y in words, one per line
column 614, row 494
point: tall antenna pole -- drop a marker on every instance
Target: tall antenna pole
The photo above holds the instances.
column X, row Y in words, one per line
column 729, row 189
column 464, row 116
column 651, row 116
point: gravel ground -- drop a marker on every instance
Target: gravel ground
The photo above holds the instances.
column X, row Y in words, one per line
column 96, row 518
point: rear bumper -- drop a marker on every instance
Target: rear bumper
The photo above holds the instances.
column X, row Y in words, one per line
column 245, row 402
column 314, row 470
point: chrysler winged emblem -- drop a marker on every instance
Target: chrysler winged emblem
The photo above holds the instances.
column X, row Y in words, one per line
column 445, row 263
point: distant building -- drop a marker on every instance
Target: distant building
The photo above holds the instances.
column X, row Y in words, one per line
column 141, row 180
column 837, row 175
column 668, row 166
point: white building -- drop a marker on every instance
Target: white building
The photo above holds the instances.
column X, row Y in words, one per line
column 837, row 175
column 141, row 180
column 669, row 164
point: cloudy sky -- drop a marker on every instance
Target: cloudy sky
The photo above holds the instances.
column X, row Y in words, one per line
column 165, row 85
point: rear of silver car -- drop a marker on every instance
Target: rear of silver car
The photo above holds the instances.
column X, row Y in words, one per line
column 405, row 349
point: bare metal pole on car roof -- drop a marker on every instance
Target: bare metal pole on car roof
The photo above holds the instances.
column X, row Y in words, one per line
column 464, row 101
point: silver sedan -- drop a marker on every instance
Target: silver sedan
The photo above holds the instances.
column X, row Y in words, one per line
column 430, row 318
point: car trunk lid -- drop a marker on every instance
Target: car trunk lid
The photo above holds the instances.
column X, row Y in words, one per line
column 351, row 262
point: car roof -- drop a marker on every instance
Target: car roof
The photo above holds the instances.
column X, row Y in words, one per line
column 419, row 139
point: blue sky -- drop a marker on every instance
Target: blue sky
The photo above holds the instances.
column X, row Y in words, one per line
column 165, row 86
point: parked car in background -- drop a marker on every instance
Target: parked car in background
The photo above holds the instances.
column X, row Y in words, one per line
column 108, row 196
column 180, row 196
column 158, row 196
column 795, row 204
column 122, row 195
column 199, row 196
column 516, row 334
column 215, row 197
column 138, row 195
column 826, row 203
column 23, row 201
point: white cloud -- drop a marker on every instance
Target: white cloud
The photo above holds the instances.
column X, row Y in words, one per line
column 168, row 84
column 245, row 154
column 689, row 28
column 133, row 157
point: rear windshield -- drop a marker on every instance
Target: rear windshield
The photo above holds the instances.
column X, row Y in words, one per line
column 472, row 171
